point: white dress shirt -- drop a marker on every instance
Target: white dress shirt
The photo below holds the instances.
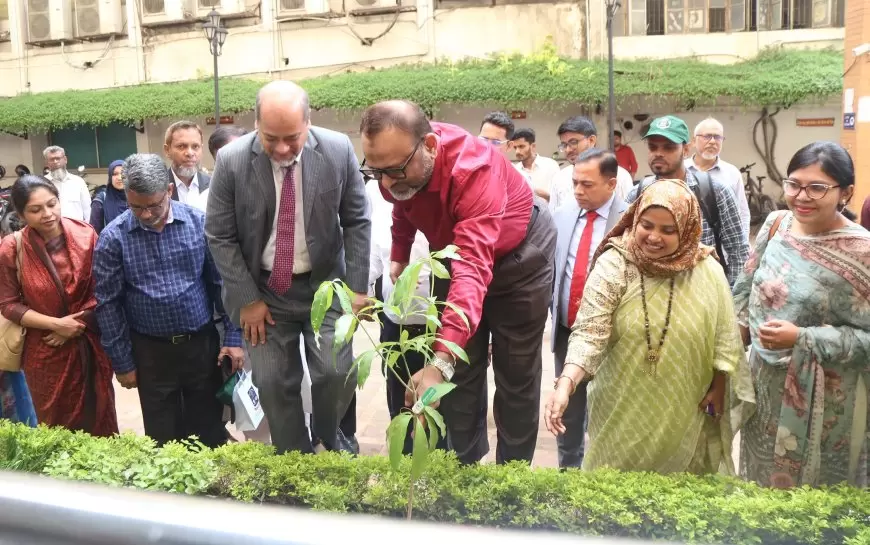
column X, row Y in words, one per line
column 188, row 194
column 382, row 242
column 599, row 229
column 562, row 187
column 200, row 201
column 301, row 259
column 729, row 176
column 541, row 174
column 75, row 198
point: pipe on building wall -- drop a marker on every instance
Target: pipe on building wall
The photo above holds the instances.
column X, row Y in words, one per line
column 588, row 40
column 134, row 37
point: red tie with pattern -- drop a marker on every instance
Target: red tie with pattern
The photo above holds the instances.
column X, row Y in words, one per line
column 285, row 238
column 581, row 264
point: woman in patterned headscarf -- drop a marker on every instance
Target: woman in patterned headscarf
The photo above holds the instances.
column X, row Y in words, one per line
column 657, row 336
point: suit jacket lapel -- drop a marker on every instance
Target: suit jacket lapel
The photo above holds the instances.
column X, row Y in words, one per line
column 312, row 165
column 567, row 223
column 616, row 210
column 174, row 185
column 262, row 167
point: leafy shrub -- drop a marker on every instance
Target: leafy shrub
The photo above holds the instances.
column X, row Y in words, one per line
column 775, row 78
column 681, row 508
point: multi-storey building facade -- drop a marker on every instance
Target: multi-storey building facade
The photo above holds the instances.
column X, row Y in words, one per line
column 52, row 45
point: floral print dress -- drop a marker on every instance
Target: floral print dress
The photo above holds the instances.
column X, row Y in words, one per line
column 810, row 424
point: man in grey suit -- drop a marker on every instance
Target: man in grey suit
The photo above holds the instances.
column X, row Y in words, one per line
column 287, row 210
column 580, row 226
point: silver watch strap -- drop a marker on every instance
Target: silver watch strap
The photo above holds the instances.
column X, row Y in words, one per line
column 444, row 366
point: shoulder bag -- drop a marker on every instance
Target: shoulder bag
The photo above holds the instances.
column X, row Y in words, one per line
column 12, row 334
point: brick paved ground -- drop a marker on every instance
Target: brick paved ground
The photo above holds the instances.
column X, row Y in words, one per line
column 372, row 416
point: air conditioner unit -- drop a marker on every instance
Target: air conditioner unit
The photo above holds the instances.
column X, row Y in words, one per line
column 224, row 7
column 300, row 7
column 98, row 17
column 369, row 4
column 48, row 21
column 164, row 11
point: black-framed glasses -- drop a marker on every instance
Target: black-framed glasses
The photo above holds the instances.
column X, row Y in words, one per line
column 573, row 143
column 708, row 137
column 153, row 208
column 397, row 173
column 815, row 190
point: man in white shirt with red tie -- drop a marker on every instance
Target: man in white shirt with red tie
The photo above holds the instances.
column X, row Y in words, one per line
column 581, row 226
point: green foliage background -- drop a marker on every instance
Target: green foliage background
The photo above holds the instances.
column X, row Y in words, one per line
column 774, row 78
column 676, row 508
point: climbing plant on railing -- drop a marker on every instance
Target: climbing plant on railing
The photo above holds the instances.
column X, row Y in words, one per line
column 777, row 77
column 404, row 303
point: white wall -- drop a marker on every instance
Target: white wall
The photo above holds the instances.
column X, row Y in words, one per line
column 291, row 49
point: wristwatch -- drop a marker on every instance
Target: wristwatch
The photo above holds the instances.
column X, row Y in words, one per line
column 444, row 366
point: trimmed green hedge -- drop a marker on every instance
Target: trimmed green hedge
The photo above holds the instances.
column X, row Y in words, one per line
column 774, row 78
column 681, row 508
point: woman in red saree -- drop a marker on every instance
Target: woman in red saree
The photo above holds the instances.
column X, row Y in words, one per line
column 68, row 372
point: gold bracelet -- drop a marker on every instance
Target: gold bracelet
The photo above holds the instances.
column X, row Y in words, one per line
column 573, row 383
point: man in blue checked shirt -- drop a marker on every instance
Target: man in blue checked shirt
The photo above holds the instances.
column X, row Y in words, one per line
column 157, row 290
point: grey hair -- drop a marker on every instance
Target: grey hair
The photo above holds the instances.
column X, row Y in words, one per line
column 145, row 173
column 712, row 121
column 304, row 101
column 52, row 149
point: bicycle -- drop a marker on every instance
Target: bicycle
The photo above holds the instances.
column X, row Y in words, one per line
column 760, row 205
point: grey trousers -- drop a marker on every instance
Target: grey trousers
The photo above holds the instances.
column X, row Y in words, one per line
column 278, row 373
column 572, row 443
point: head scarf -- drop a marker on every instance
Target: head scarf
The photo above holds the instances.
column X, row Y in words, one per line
column 116, row 199
column 676, row 197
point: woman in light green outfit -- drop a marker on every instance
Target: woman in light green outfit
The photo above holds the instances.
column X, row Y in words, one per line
column 657, row 336
column 805, row 297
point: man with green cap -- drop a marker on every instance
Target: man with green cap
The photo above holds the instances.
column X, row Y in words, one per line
column 667, row 143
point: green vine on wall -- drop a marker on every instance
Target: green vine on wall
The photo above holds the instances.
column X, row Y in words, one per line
column 774, row 78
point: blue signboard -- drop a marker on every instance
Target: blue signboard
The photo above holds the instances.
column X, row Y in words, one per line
column 849, row 122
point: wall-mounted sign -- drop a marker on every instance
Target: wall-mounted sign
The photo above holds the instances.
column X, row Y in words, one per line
column 815, row 122
column 225, row 120
column 518, row 114
column 848, row 122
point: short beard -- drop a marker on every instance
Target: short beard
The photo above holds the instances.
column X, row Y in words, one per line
column 709, row 156
column 58, row 174
column 185, row 172
column 406, row 194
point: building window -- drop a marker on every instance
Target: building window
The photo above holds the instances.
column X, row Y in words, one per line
column 95, row 147
column 4, row 20
column 478, row 3
column 793, row 14
column 657, row 17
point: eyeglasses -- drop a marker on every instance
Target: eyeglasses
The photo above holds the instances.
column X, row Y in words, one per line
column 814, row 191
column 392, row 173
column 708, row 137
column 494, row 141
column 154, row 209
column 573, row 143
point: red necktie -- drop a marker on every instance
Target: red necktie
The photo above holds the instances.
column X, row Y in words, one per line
column 285, row 238
column 581, row 264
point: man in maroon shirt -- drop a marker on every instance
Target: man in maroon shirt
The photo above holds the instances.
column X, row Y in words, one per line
column 459, row 189
column 624, row 154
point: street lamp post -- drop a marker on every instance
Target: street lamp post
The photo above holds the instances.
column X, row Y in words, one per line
column 216, row 36
column 611, row 6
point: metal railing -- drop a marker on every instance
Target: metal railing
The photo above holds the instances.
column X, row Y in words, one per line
column 44, row 511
